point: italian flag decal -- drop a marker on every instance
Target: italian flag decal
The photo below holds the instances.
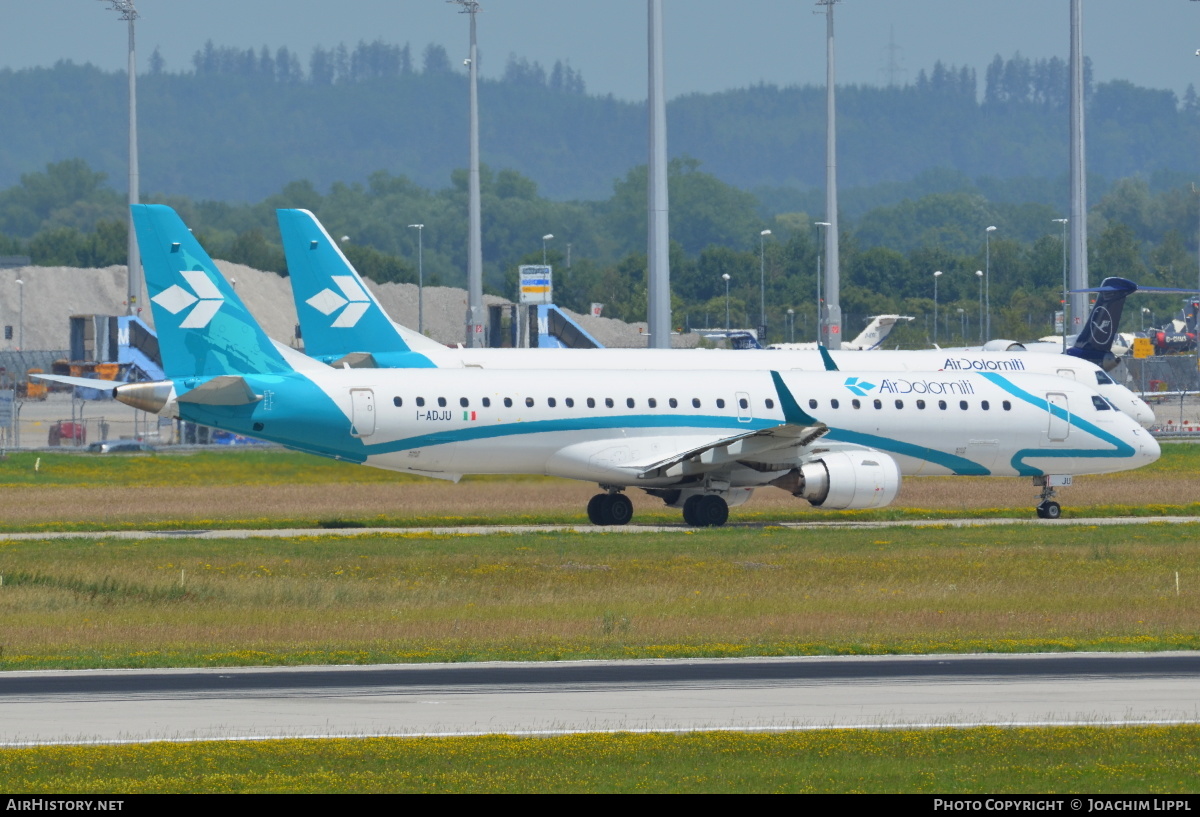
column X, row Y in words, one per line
column 469, row 416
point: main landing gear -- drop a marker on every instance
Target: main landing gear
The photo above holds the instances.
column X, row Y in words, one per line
column 1048, row 508
column 705, row 511
column 610, row 509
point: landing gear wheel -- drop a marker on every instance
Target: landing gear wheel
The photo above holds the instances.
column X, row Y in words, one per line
column 713, row 511
column 1049, row 510
column 610, row 509
column 619, row 509
column 595, row 509
column 691, row 507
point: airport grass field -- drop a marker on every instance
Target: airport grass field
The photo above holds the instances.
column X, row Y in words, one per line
column 357, row 596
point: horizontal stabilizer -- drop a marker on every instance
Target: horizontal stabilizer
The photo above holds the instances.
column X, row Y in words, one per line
column 226, row 390
column 80, row 382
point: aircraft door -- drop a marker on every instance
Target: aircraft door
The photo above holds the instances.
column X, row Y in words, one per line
column 1067, row 373
column 1060, row 417
column 745, row 408
column 362, row 413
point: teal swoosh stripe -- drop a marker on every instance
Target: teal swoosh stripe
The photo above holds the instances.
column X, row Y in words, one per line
column 961, row 466
column 1121, row 450
column 485, row 431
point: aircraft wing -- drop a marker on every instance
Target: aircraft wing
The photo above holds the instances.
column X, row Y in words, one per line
column 710, row 455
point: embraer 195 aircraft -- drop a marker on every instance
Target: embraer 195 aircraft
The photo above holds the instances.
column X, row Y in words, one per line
column 342, row 322
column 703, row 444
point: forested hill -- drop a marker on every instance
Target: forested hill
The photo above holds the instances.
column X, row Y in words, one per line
column 239, row 125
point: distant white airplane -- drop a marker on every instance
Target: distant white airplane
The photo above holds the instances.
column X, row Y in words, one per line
column 872, row 337
column 342, row 322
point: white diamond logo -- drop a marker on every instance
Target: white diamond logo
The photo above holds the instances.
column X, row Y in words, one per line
column 326, row 302
column 176, row 299
column 356, row 302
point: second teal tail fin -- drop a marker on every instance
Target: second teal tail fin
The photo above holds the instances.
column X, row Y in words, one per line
column 204, row 329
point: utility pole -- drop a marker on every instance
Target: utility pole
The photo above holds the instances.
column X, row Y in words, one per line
column 475, row 316
column 832, row 331
column 658, row 251
column 134, row 280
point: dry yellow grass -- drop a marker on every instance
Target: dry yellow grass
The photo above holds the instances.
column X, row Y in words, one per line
column 20, row 504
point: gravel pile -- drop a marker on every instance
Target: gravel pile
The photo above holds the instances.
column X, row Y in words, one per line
column 53, row 294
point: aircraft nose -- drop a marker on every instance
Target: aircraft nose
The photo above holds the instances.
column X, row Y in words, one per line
column 1143, row 413
column 1149, row 448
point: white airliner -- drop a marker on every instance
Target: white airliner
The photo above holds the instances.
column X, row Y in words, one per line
column 700, row 443
column 342, row 322
column 872, row 337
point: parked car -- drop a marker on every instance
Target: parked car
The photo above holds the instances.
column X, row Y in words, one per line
column 120, row 447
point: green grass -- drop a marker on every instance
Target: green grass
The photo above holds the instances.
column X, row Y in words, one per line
column 1141, row 760
column 375, row 598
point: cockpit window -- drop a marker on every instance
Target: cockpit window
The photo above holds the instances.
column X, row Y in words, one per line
column 1100, row 403
column 1104, row 380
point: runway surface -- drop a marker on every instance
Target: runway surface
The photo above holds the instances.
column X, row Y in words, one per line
column 529, row 698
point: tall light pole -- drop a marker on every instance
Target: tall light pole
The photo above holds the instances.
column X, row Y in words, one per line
column 420, row 228
column 1078, row 213
column 791, row 313
column 821, row 225
column 21, row 317
column 833, row 284
column 936, row 276
column 987, row 278
column 658, row 246
column 134, row 281
column 762, row 284
column 979, row 275
column 475, row 317
column 1065, row 305
column 962, row 324
column 725, row 278
column 545, row 238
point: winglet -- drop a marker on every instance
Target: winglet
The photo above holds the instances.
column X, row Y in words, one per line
column 792, row 412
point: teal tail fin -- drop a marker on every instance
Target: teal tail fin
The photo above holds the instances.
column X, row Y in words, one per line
column 204, row 329
column 338, row 314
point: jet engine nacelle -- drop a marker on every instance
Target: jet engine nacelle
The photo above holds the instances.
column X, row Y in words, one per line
column 848, row 480
column 1003, row 346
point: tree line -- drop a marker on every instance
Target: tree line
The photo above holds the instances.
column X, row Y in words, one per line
column 68, row 215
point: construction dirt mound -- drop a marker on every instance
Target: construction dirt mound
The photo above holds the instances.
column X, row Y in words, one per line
column 53, row 294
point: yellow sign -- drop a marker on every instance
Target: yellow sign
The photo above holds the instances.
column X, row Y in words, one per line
column 1142, row 348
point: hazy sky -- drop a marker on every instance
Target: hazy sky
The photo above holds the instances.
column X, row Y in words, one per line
column 712, row 45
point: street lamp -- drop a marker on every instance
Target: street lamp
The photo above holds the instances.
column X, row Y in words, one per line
column 21, row 318
column 1145, row 312
column 962, row 323
column 979, row 275
column 725, row 277
column 791, row 313
column 987, row 265
column 545, row 238
column 420, row 228
column 1064, row 222
column 762, row 284
column 936, row 276
column 820, row 234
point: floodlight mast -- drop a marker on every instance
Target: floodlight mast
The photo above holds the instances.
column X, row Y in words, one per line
column 831, row 333
column 1078, row 213
column 130, row 14
column 474, row 319
column 658, row 203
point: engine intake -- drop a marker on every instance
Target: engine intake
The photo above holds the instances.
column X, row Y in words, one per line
column 845, row 480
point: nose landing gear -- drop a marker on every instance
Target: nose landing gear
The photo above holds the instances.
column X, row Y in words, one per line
column 1048, row 508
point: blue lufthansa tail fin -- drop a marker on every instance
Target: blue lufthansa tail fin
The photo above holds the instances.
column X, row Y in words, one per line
column 338, row 314
column 1095, row 341
column 204, row 329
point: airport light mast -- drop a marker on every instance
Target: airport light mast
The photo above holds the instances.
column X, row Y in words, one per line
column 1078, row 213
column 474, row 318
column 658, row 249
column 134, row 280
column 831, row 333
